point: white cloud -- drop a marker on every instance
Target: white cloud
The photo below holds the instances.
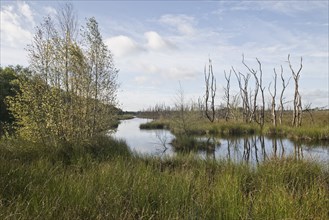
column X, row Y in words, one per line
column 25, row 10
column 183, row 23
column 148, row 68
column 316, row 97
column 180, row 73
column 156, row 42
column 50, row 10
column 122, row 45
column 13, row 56
column 285, row 7
column 13, row 30
column 141, row 79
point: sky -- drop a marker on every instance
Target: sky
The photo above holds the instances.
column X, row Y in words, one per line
column 160, row 46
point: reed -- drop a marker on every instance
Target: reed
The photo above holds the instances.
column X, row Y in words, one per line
column 156, row 124
column 36, row 183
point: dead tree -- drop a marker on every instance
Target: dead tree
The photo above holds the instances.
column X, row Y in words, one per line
column 227, row 95
column 273, row 95
column 297, row 111
column 262, row 112
column 284, row 86
column 210, row 82
column 254, row 98
column 243, row 81
column 258, row 117
column 308, row 109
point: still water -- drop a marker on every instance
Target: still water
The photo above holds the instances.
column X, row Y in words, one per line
column 252, row 149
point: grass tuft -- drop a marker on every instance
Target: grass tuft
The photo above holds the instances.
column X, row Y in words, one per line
column 104, row 181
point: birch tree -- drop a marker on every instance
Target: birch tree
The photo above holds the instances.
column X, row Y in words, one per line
column 71, row 94
column 227, row 94
column 210, row 82
column 297, row 108
column 284, row 86
column 273, row 95
column 243, row 80
column 102, row 73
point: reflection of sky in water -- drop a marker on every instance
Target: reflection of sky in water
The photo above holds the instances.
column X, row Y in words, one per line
column 149, row 142
column 252, row 149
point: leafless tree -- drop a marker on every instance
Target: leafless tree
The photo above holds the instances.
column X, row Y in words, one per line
column 181, row 119
column 308, row 109
column 255, row 116
column 234, row 106
column 297, row 111
column 227, row 94
column 262, row 112
column 273, row 95
column 243, row 80
column 284, row 86
column 210, row 82
column 253, row 99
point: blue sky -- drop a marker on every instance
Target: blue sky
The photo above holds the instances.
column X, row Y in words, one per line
column 159, row 44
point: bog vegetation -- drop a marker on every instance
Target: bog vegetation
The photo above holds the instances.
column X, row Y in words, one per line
column 57, row 161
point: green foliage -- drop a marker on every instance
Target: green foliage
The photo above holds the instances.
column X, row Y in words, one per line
column 71, row 93
column 8, row 89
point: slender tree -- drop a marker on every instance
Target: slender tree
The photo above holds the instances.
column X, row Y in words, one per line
column 102, row 73
column 227, row 94
column 284, row 86
column 243, row 80
column 297, row 108
column 210, row 82
column 262, row 88
column 71, row 94
column 254, row 98
column 273, row 95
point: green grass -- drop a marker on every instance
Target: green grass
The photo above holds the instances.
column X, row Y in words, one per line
column 102, row 180
column 125, row 116
column 304, row 133
column 310, row 131
column 156, row 124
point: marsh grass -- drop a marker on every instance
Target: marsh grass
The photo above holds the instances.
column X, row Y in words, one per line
column 310, row 131
column 305, row 133
column 103, row 182
column 155, row 124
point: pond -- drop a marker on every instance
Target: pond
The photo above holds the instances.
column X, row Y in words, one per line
column 252, row 149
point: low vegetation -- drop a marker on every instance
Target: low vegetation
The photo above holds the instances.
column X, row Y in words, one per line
column 102, row 180
column 313, row 129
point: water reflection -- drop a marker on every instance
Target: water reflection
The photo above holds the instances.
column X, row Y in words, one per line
column 256, row 149
column 150, row 142
column 251, row 149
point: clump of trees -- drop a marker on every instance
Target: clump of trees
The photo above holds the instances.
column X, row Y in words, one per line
column 8, row 89
column 253, row 107
column 247, row 105
column 71, row 93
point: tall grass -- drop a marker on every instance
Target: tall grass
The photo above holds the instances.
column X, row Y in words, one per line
column 316, row 130
column 304, row 133
column 113, row 184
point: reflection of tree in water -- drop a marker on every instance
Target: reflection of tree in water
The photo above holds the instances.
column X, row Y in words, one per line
column 255, row 149
column 246, row 149
column 162, row 141
column 298, row 151
column 249, row 149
